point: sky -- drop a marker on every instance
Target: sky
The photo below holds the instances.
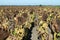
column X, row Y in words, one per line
column 29, row 2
